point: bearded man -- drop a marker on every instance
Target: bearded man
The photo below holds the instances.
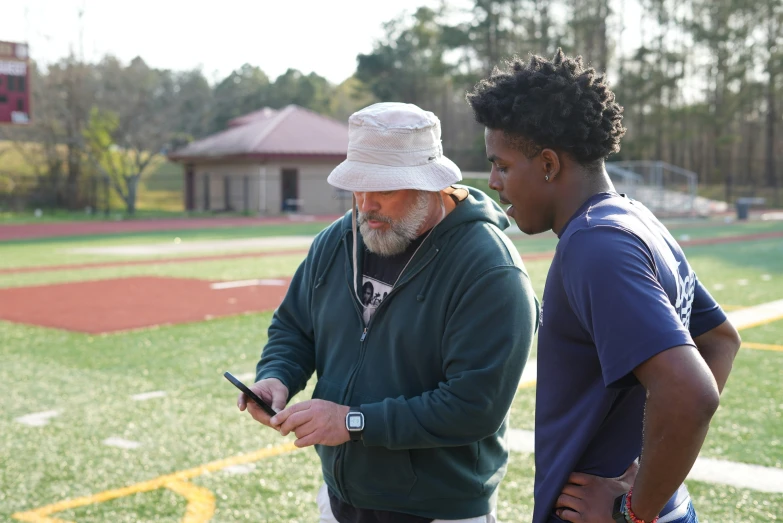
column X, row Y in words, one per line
column 410, row 409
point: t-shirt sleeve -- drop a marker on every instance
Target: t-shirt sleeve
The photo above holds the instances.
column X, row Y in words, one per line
column 706, row 314
column 610, row 280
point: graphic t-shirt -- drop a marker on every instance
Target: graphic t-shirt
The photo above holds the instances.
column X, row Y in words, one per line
column 379, row 273
column 619, row 291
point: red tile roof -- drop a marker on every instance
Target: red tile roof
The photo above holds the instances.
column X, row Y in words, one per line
column 292, row 131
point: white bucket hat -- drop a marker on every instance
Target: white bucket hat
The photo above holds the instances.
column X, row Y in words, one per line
column 393, row 146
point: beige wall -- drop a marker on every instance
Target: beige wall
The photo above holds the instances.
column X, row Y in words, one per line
column 264, row 196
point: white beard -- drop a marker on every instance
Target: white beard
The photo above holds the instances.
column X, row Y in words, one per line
column 400, row 233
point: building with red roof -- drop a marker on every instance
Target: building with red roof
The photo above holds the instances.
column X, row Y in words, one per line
column 270, row 161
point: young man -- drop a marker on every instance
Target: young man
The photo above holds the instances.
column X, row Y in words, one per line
column 633, row 350
column 415, row 374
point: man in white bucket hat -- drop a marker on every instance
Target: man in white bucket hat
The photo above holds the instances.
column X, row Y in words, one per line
column 417, row 315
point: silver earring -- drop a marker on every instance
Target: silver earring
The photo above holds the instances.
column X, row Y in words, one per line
column 546, row 177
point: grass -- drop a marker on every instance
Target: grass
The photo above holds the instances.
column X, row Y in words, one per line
column 89, row 380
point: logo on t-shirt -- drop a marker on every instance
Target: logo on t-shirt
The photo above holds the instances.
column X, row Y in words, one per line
column 686, row 287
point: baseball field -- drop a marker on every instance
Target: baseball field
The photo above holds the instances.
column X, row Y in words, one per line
column 114, row 339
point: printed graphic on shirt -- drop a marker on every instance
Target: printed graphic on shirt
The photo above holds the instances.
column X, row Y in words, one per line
column 686, row 287
column 372, row 294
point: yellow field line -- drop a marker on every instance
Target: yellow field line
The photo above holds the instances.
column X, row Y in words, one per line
column 729, row 308
column 177, row 482
column 761, row 346
column 201, row 502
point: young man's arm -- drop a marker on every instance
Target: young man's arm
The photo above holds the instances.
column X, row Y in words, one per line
column 682, row 396
column 718, row 347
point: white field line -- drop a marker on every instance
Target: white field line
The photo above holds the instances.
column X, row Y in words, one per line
column 121, row 443
column 764, row 313
column 213, row 246
column 148, row 395
column 37, row 419
column 245, row 283
column 247, row 468
column 709, row 470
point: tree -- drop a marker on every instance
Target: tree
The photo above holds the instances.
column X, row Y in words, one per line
column 130, row 124
column 292, row 87
column 407, row 65
column 243, row 91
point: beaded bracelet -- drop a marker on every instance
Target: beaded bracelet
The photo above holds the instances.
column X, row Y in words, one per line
column 629, row 513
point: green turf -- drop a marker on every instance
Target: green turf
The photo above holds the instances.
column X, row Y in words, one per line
column 751, row 431
column 89, row 378
column 721, row 504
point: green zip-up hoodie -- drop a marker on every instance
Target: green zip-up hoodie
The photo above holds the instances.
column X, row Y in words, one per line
column 434, row 372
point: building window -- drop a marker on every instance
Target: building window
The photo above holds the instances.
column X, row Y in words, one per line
column 12, row 83
column 20, row 84
column 20, row 105
column 3, row 99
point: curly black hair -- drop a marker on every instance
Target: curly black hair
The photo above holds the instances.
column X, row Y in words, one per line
column 558, row 104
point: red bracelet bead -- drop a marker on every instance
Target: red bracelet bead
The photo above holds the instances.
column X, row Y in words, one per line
column 630, row 513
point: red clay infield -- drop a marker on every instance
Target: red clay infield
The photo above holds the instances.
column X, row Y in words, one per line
column 132, row 303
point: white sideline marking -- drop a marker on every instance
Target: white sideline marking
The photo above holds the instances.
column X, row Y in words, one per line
column 245, row 283
column 756, row 315
column 741, row 475
column 121, row 443
column 709, row 470
column 530, row 373
column 148, row 395
column 521, row 440
column 241, row 469
column 742, row 282
column 766, row 277
column 198, row 246
column 718, row 287
column 37, row 419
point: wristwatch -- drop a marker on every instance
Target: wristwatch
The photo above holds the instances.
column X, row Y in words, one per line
column 354, row 422
column 618, row 512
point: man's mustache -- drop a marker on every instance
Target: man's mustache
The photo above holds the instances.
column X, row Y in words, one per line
column 365, row 217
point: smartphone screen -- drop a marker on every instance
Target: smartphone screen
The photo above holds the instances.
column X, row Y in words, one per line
column 249, row 393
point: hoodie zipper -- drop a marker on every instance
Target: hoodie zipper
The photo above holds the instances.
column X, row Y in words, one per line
column 338, row 469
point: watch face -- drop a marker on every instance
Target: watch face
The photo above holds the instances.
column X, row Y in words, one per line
column 355, row 421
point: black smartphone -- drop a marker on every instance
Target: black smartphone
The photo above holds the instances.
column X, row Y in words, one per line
column 249, row 393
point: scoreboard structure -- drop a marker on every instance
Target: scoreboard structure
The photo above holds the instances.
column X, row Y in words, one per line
column 14, row 83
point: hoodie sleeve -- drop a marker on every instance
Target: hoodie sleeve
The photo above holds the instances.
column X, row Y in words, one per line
column 289, row 354
column 485, row 346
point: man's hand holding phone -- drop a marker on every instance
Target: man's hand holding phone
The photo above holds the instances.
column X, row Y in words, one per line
column 272, row 391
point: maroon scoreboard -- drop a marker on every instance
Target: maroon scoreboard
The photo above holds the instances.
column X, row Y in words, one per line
column 14, row 83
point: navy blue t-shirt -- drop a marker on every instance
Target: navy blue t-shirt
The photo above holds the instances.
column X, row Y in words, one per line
column 619, row 291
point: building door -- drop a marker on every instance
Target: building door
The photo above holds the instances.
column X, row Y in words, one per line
column 289, row 182
column 190, row 187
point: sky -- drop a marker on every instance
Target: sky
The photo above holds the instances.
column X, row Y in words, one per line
column 323, row 36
